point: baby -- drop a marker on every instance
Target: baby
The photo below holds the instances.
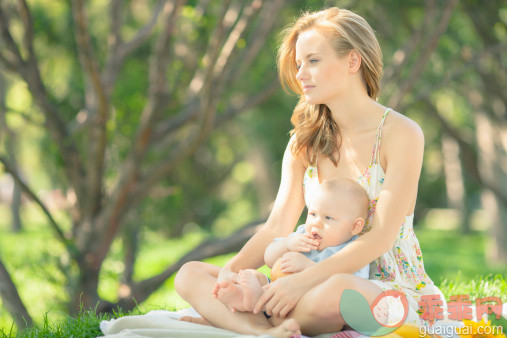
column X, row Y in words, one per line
column 336, row 215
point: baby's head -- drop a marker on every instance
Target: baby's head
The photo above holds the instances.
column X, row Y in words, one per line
column 337, row 212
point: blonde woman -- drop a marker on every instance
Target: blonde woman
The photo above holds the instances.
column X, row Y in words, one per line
column 333, row 61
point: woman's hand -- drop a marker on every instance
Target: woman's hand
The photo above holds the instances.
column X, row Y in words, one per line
column 301, row 243
column 281, row 296
column 224, row 274
column 292, row 262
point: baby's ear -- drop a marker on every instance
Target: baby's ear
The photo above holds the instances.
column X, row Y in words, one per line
column 357, row 226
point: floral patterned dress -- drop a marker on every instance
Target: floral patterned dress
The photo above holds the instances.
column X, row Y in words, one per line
column 401, row 268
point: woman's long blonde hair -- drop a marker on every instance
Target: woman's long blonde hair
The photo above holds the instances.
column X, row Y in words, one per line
column 314, row 128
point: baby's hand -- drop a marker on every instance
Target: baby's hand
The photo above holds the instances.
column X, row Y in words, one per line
column 301, row 243
column 292, row 262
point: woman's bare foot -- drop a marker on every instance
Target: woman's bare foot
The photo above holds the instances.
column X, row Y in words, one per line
column 288, row 328
column 196, row 320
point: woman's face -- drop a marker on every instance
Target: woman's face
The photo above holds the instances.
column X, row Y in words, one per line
column 323, row 75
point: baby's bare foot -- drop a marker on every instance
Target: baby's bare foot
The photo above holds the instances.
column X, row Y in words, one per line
column 196, row 320
column 231, row 295
column 251, row 287
column 288, row 328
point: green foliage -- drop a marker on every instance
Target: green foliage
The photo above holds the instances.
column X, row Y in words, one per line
column 84, row 324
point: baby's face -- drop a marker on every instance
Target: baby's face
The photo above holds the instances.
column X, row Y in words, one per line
column 328, row 220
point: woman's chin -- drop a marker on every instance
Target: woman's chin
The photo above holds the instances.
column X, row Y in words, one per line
column 309, row 100
column 312, row 101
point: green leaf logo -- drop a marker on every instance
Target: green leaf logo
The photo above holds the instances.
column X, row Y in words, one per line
column 387, row 312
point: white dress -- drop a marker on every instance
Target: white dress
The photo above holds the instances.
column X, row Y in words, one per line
column 401, row 268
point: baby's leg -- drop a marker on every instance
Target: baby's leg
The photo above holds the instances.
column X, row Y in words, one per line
column 263, row 280
column 251, row 281
column 244, row 295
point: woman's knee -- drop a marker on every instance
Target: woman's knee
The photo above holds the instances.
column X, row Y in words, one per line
column 324, row 305
column 185, row 275
column 191, row 274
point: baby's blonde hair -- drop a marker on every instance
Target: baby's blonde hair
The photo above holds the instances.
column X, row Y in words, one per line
column 354, row 192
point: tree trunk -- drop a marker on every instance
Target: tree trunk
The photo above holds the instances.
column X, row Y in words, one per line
column 11, row 299
column 130, row 249
column 84, row 292
column 15, row 208
column 9, row 139
column 454, row 182
column 490, row 155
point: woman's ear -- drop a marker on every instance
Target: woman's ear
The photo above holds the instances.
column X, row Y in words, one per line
column 354, row 61
column 358, row 225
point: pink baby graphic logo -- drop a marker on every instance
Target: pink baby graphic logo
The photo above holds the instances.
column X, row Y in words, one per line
column 387, row 312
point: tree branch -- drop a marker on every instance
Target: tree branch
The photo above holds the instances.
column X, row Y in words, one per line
column 432, row 43
column 402, row 56
column 256, row 41
column 237, row 32
column 156, row 98
column 59, row 233
column 256, row 100
column 25, row 117
column 467, row 152
column 209, row 61
column 29, row 71
column 11, row 299
column 27, row 24
column 461, row 69
column 139, row 291
column 143, row 33
column 98, row 136
column 14, row 57
column 115, row 42
column 8, row 64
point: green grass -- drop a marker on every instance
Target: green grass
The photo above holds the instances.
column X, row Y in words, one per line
column 449, row 255
column 455, row 262
column 85, row 324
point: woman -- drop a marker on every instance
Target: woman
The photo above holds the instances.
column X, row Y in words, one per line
column 332, row 59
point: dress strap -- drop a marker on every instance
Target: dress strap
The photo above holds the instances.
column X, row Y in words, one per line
column 375, row 158
column 316, row 159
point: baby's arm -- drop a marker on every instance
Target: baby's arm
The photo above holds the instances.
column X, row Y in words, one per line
column 296, row 242
column 275, row 250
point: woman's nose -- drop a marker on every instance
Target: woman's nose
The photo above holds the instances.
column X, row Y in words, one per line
column 301, row 75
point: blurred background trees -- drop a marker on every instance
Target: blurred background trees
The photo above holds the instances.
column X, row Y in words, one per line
column 130, row 123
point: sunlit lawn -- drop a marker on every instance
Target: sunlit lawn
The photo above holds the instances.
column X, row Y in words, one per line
column 453, row 261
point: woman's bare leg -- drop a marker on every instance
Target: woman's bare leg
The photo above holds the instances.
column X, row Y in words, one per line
column 318, row 313
column 194, row 282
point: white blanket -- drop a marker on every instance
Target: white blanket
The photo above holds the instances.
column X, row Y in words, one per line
column 159, row 323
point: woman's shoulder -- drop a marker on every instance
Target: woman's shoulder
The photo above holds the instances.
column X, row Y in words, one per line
column 399, row 127
column 301, row 157
column 402, row 134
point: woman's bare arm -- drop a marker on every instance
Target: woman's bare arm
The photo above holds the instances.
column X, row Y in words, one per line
column 288, row 206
